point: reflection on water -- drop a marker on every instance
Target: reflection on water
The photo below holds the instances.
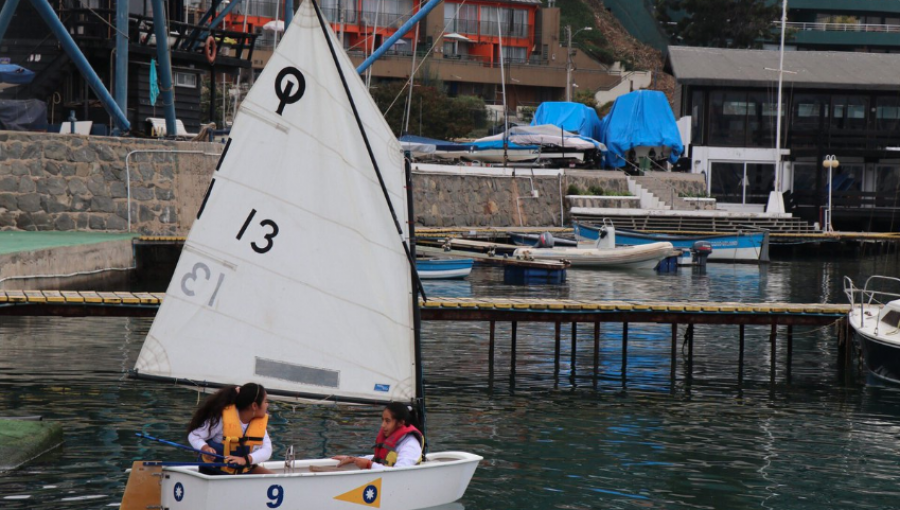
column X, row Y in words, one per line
column 822, row 441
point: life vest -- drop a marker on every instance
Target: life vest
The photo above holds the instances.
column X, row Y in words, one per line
column 235, row 441
column 386, row 447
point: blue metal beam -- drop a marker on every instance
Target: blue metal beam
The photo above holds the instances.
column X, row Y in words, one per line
column 288, row 13
column 49, row 16
column 6, row 15
column 400, row 33
column 121, row 79
column 214, row 23
column 161, row 31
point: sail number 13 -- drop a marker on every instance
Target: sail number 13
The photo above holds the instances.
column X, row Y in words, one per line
column 269, row 236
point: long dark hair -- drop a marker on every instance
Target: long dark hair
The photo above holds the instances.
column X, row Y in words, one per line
column 241, row 397
column 401, row 412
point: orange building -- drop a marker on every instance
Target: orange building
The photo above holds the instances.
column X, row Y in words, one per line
column 460, row 42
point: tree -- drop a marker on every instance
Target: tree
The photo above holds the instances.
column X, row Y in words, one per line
column 433, row 113
column 719, row 23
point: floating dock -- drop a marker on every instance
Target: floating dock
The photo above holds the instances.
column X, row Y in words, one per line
column 557, row 311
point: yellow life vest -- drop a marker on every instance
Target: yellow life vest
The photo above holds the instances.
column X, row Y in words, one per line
column 235, row 441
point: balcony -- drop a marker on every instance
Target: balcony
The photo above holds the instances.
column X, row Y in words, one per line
column 838, row 27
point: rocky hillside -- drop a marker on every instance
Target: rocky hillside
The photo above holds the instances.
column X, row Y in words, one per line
column 626, row 48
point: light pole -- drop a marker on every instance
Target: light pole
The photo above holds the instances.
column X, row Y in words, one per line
column 570, row 35
column 830, row 163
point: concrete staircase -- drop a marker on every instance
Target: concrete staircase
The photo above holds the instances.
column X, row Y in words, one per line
column 656, row 194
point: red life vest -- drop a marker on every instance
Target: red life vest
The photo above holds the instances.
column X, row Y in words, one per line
column 386, row 447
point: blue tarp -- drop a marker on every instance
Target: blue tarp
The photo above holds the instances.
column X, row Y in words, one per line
column 18, row 75
column 573, row 117
column 441, row 145
column 640, row 119
column 498, row 144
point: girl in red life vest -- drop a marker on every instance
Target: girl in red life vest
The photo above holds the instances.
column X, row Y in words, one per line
column 232, row 422
column 399, row 442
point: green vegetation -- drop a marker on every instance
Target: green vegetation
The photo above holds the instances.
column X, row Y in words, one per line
column 433, row 113
column 596, row 191
column 578, row 14
column 719, row 23
column 694, row 194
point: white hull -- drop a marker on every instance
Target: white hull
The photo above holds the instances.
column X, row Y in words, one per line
column 645, row 256
column 445, row 275
column 441, row 480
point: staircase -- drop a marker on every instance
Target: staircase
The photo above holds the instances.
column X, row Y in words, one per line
column 656, row 194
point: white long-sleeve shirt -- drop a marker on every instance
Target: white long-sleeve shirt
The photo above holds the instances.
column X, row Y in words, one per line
column 198, row 438
column 409, row 450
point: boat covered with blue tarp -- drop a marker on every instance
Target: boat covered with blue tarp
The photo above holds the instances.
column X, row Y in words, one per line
column 641, row 121
column 572, row 117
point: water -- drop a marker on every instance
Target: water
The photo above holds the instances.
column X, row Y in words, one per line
column 826, row 440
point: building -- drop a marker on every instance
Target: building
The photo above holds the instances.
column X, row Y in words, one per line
column 462, row 41
column 844, row 25
column 29, row 43
column 834, row 103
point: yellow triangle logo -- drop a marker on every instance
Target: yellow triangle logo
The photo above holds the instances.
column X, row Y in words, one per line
column 368, row 495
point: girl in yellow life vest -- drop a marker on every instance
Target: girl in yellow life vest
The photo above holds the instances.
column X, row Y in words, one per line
column 232, row 422
column 399, row 442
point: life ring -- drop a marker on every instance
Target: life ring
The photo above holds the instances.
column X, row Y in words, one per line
column 210, row 50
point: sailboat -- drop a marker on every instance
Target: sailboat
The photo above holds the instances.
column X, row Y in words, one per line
column 258, row 296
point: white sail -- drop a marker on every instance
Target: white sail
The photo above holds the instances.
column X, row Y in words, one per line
column 294, row 275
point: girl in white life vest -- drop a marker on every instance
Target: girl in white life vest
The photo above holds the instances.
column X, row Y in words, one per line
column 399, row 442
column 232, row 422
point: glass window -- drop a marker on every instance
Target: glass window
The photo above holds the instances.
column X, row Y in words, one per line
column 849, row 112
column 331, row 9
column 728, row 118
column 725, row 182
column 462, row 19
column 697, row 120
column 809, row 110
column 759, row 178
column 887, row 113
column 187, row 80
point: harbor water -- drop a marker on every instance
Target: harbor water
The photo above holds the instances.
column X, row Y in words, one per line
column 826, row 439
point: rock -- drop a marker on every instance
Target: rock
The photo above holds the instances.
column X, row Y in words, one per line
column 116, row 223
column 64, row 222
column 80, row 203
column 42, row 221
column 102, row 204
column 164, row 194
column 7, row 219
column 55, row 204
column 77, row 186
column 30, row 202
column 169, row 215
column 81, row 221
column 8, row 202
column 141, row 193
column 117, row 189
column 9, row 183
column 97, row 222
column 56, row 150
column 97, row 186
column 146, row 214
column 57, row 186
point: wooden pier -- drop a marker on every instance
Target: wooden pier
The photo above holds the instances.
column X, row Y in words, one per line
column 574, row 313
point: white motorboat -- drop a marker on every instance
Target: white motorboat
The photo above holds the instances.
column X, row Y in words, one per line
column 875, row 317
column 603, row 253
column 310, row 157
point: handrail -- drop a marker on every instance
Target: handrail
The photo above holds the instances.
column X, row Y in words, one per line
column 839, row 27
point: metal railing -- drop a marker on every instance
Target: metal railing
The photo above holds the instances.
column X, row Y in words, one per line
column 838, row 27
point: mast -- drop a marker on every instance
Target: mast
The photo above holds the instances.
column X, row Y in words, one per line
column 503, row 88
column 776, row 203
column 417, row 315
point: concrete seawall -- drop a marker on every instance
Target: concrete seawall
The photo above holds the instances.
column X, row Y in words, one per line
column 71, row 182
column 53, row 182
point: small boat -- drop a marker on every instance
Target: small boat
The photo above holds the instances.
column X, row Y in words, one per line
column 750, row 246
column 544, row 240
column 603, row 254
column 311, row 325
column 443, row 269
column 875, row 317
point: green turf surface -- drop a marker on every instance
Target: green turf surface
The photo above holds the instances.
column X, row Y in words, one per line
column 13, row 242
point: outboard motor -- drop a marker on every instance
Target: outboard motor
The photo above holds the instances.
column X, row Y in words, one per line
column 546, row 240
column 700, row 251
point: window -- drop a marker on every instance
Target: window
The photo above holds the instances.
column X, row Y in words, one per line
column 887, row 114
column 186, row 80
column 462, row 19
column 697, row 113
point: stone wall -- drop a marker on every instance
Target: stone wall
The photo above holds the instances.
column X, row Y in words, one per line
column 73, row 182
column 443, row 200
